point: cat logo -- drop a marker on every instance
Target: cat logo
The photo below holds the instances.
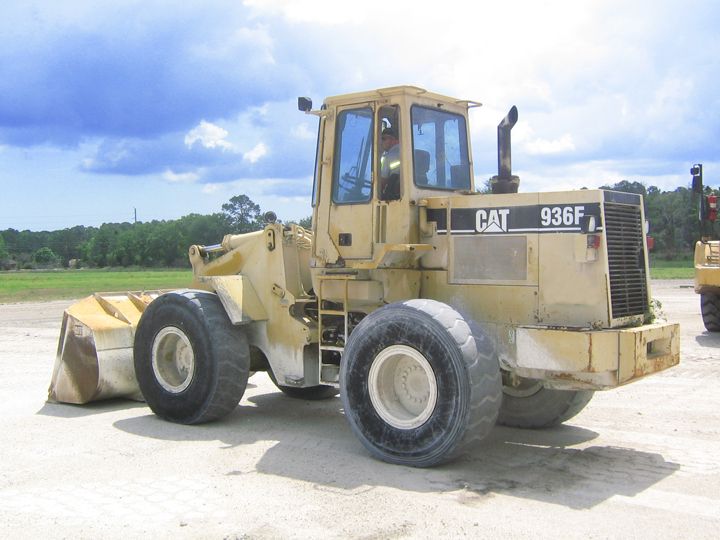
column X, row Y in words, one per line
column 494, row 220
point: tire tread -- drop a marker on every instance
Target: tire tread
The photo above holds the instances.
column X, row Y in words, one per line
column 480, row 367
column 710, row 308
column 546, row 408
column 227, row 346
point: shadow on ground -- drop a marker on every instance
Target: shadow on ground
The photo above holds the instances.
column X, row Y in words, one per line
column 708, row 339
column 315, row 445
column 67, row 410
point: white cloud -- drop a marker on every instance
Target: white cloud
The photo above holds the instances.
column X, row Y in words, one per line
column 543, row 146
column 210, row 189
column 180, row 178
column 208, row 135
column 256, row 40
column 258, row 152
column 302, row 131
column 316, row 11
column 596, row 173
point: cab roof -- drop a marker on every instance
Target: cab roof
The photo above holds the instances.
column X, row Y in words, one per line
column 391, row 91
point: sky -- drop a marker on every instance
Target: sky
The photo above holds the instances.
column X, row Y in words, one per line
column 161, row 109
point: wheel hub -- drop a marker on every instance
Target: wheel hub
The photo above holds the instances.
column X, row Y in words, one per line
column 173, row 359
column 402, row 387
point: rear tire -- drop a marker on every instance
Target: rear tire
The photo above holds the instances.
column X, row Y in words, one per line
column 419, row 383
column 710, row 308
column 530, row 405
column 191, row 363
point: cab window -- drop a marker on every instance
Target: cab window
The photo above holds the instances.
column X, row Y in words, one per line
column 352, row 170
column 440, row 149
column 389, row 164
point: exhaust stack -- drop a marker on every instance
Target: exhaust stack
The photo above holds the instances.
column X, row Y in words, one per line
column 505, row 182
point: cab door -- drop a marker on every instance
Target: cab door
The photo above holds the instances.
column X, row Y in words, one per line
column 351, row 210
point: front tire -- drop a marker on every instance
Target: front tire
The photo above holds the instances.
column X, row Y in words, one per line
column 419, row 383
column 527, row 404
column 710, row 308
column 191, row 363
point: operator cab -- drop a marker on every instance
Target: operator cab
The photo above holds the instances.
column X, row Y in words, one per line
column 379, row 153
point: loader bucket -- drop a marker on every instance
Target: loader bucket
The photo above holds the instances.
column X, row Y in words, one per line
column 95, row 351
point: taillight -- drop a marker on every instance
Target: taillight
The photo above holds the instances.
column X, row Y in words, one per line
column 712, row 207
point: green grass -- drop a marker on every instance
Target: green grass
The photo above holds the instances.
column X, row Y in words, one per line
column 678, row 269
column 29, row 286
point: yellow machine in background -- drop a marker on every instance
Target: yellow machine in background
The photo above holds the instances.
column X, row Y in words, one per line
column 707, row 255
column 435, row 311
column 707, row 282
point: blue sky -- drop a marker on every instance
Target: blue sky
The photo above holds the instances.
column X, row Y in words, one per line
column 172, row 108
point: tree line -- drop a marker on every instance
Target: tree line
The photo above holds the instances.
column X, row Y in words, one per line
column 672, row 215
column 143, row 244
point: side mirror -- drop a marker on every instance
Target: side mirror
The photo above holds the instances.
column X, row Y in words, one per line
column 304, row 104
column 697, row 180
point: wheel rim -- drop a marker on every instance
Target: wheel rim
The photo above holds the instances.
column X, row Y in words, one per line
column 402, row 387
column 173, row 359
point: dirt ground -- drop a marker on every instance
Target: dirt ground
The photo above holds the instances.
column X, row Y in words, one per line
column 639, row 462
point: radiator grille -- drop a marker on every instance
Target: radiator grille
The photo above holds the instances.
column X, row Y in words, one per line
column 626, row 260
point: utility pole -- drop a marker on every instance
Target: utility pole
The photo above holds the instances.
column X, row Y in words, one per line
column 135, row 210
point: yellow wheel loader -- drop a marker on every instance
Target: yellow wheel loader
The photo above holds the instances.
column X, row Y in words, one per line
column 433, row 310
column 707, row 255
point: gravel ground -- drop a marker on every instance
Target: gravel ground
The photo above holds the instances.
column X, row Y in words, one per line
column 639, row 462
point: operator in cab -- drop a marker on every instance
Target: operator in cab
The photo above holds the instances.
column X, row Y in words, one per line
column 390, row 165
